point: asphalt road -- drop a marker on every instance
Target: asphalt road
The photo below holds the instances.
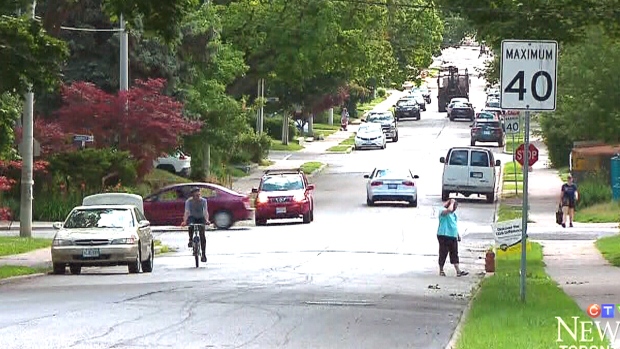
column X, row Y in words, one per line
column 357, row 277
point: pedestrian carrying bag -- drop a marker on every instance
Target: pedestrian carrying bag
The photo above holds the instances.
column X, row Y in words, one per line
column 559, row 215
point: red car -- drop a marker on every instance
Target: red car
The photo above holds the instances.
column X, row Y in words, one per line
column 226, row 207
column 284, row 194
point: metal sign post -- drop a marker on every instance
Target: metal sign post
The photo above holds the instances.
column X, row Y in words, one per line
column 526, row 171
column 528, row 82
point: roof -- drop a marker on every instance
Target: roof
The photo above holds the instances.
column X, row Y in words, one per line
column 198, row 184
column 471, row 148
column 598, row 150
column 100, row 207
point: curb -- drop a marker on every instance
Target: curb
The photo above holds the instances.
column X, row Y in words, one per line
column 20, row 277
column 464, row 314
column 341, row 152
column 317, row 171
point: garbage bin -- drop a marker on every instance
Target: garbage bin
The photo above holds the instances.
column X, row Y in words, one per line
column 615, row 177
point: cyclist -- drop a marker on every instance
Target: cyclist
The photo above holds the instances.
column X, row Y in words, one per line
column 196, row 212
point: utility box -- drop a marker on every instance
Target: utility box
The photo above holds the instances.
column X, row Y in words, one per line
column 615, row 177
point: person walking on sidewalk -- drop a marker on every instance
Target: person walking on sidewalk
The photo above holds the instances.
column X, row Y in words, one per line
column 448, row 237
column 568, row 197
column 344, row 119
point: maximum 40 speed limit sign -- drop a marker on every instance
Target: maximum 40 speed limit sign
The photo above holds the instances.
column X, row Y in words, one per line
column 528, row 75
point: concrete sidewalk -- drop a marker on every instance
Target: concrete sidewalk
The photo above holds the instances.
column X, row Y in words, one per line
column 582, row 272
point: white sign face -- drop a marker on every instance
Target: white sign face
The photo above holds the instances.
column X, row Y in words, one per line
column 507, row 233
column 528, row 75
column 512, row 126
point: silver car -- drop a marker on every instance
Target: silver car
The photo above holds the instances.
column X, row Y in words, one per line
column 386, row 184
column 103, row 235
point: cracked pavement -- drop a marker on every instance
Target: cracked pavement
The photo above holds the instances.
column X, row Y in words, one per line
column 357, row 277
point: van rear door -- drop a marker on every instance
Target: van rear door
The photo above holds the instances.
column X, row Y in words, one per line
column 481, row 170
column 456, row 169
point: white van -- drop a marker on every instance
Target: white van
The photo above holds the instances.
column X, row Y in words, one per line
column 469, row 170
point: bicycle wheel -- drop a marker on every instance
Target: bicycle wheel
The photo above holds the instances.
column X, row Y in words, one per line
column 196, row 257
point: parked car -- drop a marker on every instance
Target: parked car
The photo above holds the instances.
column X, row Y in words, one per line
column 388, row 123
column 178, row 163
column 461, row 110
column 469, row 170
column 107, row 230
column 226, row 207
column 284, row 193
column 370, row 135
column 389, row 184
column 484, row 130
column 407, row 108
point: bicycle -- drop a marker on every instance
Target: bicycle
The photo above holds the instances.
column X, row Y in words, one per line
column 196, row 241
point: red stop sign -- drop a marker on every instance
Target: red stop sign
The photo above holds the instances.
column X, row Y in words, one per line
column 520, row 154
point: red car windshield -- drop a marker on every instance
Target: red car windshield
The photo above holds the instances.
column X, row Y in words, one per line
column 282, row 183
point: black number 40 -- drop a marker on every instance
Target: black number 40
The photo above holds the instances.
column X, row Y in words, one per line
column 517, row 85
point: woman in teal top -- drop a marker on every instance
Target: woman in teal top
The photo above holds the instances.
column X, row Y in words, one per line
column 448, row 237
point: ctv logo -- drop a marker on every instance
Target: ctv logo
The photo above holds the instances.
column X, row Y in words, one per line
column 606, row 311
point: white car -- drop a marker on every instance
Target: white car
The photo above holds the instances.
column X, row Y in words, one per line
column 370, row 135
column 417, row 95
column 178, row 163
column 107, row 230
column 456, row 100
column 387, row 184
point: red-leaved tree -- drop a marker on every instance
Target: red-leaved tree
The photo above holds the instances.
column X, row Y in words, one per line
column 5, row 185
column 50, row 135
column 143, row 121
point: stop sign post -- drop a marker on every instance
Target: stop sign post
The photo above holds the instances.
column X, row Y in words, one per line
column 532, row 154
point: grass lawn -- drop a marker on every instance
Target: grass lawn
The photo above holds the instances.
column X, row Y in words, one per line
column 512, row 144
column 348, row 141
column 7, row 271
column 362, row 108
column 237, row 173
column 563, row 173
column 291, row 146
column 512, row 171
column 607, row 212
column 266, row 162
column 164, row 248
column 339, row 148
column 508, row 212
column 610, row 249
column 498, row 318
column 310, row 167
column 10, row 245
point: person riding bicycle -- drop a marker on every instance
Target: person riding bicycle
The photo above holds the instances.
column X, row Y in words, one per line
column 196, row 212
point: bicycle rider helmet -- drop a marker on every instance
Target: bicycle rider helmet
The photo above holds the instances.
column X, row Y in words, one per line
column 194, row 190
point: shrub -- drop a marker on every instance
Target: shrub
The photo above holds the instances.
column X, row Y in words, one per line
column 594, row 189
column 48, row 207
column 381, row 92
column 90, row 166
column 251, row 147
column 273, row 128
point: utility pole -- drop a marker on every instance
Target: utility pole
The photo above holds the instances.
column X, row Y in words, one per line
column 124, row 58
column 526, row 204
column 260, row 114
column 27, row 182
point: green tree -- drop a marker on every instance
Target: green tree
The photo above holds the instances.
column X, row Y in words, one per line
column 586, row 108
column 456, row 28
column 10, row 108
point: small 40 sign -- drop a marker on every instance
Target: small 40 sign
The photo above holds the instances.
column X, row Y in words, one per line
column 532, row 154
column 512, row 126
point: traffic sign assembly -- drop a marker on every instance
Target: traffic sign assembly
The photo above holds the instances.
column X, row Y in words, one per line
column 532, row 154
column 528, row 82
column 528, row 75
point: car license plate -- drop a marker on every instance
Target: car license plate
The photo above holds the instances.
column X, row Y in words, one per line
column 476, row 175
column 367, row 143
column 392, row 186
column 487, row 132
column 280, row 210
column 90, row 253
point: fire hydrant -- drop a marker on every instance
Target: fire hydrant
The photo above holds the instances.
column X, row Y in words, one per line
column 489, row 262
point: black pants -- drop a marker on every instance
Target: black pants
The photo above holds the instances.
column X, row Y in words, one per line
column 203, row 240
column 448, row 245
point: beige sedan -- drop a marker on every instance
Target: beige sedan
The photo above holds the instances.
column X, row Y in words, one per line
column 103, row 235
